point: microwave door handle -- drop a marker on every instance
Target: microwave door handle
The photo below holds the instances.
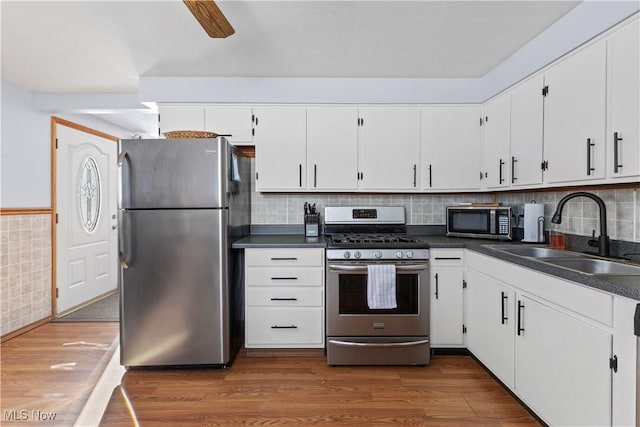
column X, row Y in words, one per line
column 492, row 222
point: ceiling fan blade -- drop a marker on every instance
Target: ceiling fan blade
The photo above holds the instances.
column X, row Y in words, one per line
column 210, row 17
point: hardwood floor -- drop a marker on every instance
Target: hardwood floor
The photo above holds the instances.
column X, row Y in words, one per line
column 51, row 370
column 266, row 391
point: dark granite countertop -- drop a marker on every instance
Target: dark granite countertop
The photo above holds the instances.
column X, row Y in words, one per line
column 279, row 241
column 627, row 286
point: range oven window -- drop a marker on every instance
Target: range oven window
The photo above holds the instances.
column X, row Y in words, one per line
column 469, row 221
column 353, row 295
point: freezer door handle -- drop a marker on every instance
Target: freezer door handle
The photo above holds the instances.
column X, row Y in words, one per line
column 123, row 262
column 121, row 157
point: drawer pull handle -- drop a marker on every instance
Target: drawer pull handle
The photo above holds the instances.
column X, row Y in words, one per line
column 284, row 299
column 284, row 278
column 284, row 327
column 284, row 259
column 457, row 258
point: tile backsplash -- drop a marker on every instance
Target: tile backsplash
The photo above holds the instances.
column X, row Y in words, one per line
column 580, row 215
column 25, row 270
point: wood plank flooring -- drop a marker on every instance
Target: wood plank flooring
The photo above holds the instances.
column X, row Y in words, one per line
column 51, row 370
column 298, row 391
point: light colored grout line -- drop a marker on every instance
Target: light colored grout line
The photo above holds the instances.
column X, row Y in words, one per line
column 95, row 406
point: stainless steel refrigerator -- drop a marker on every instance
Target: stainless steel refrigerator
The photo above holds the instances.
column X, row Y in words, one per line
column 182, row 203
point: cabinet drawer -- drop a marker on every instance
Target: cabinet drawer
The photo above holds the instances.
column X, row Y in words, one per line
column 284, row 327
column 446, row 257
column 286, row 276
column 290, row 296
column 285, row 257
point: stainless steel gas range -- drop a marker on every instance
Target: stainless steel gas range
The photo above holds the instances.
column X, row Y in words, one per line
column 377, row 306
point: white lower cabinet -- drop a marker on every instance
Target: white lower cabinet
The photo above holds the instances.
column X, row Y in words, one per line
column 284, row 298
column 562, row 366
column 447, row 274
column 490, row 324
column 550, row 341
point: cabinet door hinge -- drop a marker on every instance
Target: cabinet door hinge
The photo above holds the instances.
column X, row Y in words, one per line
column 613, row 363
column 464, row 284
column 545, row 90
column 57, row 218
column 464, row 329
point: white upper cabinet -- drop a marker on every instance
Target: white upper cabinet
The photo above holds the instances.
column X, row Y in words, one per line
column 389, row 148
column 175, row 117
column 281, row 148
column 623, row 135
column 495, row 137
column 527, row 111
column 450, row 148
column 230, row 120
column 332, row 148
column 574, row 142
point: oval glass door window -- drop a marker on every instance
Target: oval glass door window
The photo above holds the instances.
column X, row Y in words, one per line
column 89, row 194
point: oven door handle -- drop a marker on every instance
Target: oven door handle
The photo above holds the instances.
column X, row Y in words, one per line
column 378, row 345
column 411, row 267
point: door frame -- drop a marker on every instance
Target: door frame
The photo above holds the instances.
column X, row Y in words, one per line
column 55, row 121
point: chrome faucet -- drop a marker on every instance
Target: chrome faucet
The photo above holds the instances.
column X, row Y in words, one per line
column 603, row 241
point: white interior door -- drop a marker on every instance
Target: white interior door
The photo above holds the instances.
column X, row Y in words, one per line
column 86, row 185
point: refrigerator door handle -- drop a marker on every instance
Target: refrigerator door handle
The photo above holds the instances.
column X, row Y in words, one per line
column 125, row 240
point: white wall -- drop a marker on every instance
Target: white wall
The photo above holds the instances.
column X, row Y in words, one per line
column 25, row 147
column 25, row 153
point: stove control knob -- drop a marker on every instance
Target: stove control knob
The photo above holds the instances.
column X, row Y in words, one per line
column 346, row 254
column 409, row 254
column 357, row 254
column 377, row 254
column 399, row 254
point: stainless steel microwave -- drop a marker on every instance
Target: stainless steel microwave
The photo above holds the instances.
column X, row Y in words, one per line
column 487, row 222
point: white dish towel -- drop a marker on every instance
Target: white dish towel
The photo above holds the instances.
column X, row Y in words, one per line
column 381, row 286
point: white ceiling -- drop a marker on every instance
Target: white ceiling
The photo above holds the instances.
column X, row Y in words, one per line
column 105, row 46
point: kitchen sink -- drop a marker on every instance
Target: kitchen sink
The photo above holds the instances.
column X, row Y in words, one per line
column 536, row 252
column 594, row 266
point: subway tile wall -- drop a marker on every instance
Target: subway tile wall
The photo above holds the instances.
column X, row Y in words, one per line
column 25, row 270
column 580, row 215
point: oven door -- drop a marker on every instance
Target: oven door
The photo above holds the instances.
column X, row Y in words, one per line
column 348, row 314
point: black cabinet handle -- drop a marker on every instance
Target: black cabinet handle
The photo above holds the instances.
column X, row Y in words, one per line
column 284, row 327
column 300, row 173
column 284, row 258
column 616, row 140
column 315, row 175
column 589, row 145
column 513, row 169
column 502, row 303
column 430, row 176
column 436, row 277
column 284, row 299
column 284, row 278
column 520, row 315
column 415, row 175
column 447, row 258
column 501, row 179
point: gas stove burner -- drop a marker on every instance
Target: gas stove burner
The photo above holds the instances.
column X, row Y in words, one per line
column 386, row 239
